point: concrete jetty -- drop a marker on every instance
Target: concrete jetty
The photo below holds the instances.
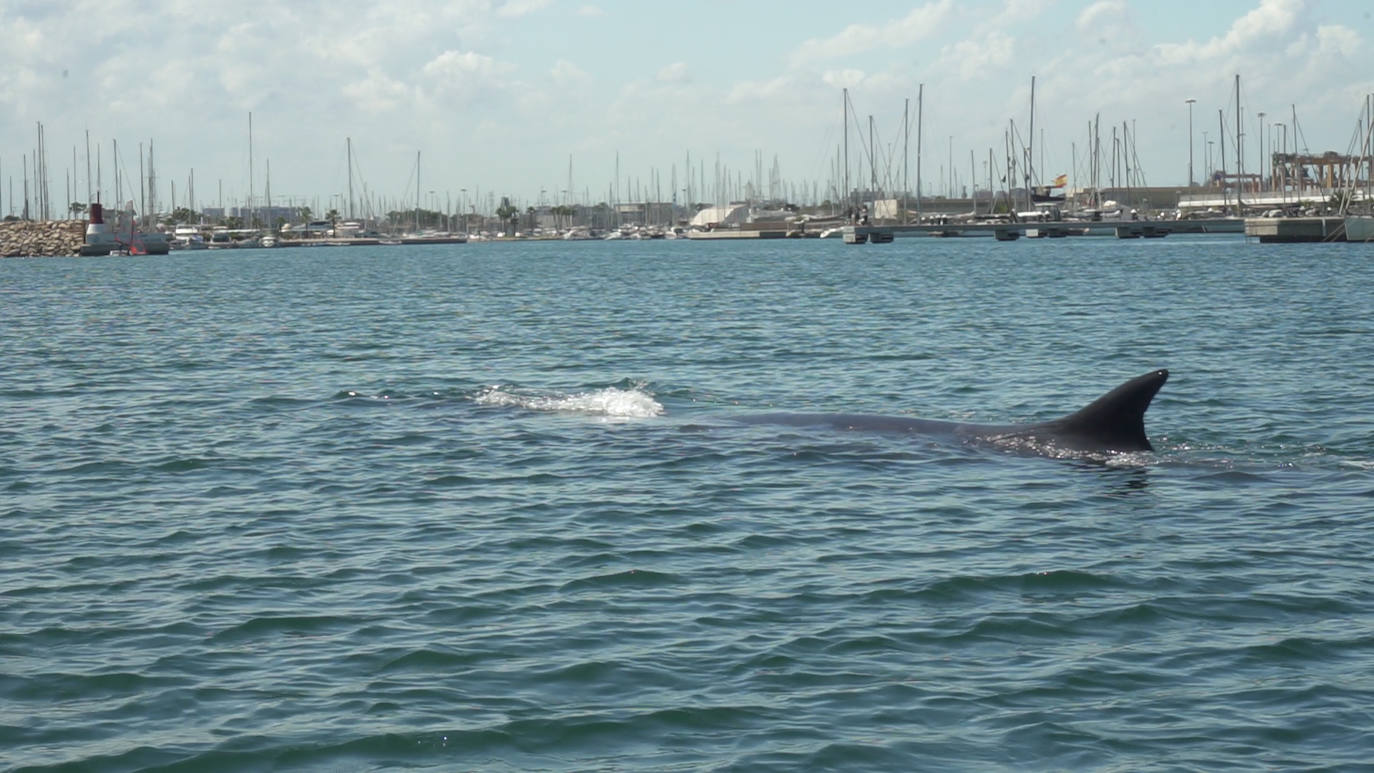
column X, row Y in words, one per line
column 1009, row 231
column 1296, row 229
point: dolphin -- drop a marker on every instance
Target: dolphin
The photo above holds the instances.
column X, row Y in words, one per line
column 1113, row 423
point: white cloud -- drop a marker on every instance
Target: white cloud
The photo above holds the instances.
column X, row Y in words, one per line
column 377, row 93
column 674, row 73
column 590, row 10
column 456, row 78
column 919, row 24
column 843, row 79
column 516, row 8
column 1334, row 40
column 1270, row 19
column 1017, row 11
column 754, row 91
column 1099, row 13
column 972, row 58
column 456, row 64
column 565, row 73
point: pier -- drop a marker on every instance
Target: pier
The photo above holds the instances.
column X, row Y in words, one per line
column 1270, row 230
column 1009, row 231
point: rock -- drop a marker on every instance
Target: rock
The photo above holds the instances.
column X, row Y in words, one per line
column 42, row 239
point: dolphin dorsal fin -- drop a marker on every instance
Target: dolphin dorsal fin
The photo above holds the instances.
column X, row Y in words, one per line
column 1116, row 421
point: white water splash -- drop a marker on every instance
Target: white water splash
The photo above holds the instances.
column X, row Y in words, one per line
column 613, row 402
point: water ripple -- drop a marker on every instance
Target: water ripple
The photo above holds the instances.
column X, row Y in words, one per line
column 275, row 515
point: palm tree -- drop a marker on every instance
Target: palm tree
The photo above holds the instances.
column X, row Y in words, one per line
column 563, row 215
column 507, row 213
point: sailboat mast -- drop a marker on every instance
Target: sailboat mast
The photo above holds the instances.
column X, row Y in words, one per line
column 349, row 143
column 992, row 197
column 150, row 214
column 920, row 94
column 1030, row 155
column 845, row 118
column 873, row 170
column 89, row 198
column 906, row 140
column 1240, row 160
column 250, row 169
column 1221, row 154
column 1097, row 158
column 973, row 182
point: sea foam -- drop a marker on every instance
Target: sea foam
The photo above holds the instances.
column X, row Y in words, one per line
column 612, row 401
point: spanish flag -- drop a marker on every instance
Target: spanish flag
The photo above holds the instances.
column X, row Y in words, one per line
column 1060, row 181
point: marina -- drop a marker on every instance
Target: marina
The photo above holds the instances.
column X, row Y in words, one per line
column 541, row 386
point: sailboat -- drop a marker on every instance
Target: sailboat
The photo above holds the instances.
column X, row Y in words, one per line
column 1360, row 227
column 1045, row 194
column 269, row 236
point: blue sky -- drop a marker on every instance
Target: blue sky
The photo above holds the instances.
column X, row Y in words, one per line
column 499, row 96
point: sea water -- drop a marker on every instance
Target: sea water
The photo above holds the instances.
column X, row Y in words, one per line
column 483, row 507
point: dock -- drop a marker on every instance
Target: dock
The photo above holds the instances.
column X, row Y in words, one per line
column 1272, row 230
column 1009, row 231
column 369, row 241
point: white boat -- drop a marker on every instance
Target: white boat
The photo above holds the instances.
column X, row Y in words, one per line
column 187, row 237
column 1359, row 228
column 220, row 240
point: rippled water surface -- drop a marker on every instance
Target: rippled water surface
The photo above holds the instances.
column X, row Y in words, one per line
column 484, row 507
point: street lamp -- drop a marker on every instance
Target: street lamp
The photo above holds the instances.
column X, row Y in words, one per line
column 1190, row 102
column 1206, row 160
column 1273, row 148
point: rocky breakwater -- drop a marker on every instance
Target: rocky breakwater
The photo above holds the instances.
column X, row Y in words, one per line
column 46, row 239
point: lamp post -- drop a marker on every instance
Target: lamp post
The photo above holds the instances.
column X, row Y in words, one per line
column 1190, row 102
column 1273, row 148
column 1206, row 160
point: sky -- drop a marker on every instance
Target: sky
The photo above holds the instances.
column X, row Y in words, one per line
column 543, row 100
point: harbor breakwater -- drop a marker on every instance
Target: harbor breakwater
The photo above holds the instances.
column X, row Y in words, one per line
column 49, row 238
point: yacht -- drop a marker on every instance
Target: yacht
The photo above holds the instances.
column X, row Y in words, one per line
column 187, row 237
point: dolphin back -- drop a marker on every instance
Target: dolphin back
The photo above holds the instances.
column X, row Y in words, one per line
column 1113, row 422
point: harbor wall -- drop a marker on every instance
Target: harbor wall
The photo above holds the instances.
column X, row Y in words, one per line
column 51, row 238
